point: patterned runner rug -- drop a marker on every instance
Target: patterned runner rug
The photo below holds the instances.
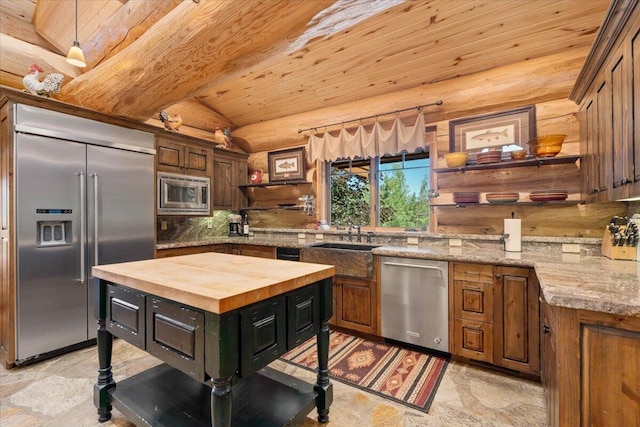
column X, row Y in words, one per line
column 402, row 375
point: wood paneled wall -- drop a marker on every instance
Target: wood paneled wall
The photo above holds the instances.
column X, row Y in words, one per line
column 571, row 220
column 263, row 197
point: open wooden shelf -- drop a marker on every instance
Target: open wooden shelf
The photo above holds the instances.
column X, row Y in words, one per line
column 513, row 164
column 273, row 184
column 553, row 202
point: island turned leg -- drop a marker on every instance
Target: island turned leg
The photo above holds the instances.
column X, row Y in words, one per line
column 221, row 409
column 105, row 348
column 323, row 387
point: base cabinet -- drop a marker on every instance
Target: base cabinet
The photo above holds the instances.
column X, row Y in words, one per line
column 496, row 315
column 591, row 368
column 355, row 304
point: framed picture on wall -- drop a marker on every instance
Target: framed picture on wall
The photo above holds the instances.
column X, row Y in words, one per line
column 286, row 165
column 505, row 131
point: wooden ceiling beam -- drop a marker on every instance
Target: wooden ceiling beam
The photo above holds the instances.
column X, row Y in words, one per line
column 185, row 51
column 124, row 27
column 17, row 56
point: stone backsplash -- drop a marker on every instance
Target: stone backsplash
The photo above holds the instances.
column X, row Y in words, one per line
column 172, row 229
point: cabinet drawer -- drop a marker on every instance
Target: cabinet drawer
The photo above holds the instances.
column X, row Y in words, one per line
column 263, row 334
column 474, row 301
column 175, row 335
column 125, row 315
column 475, row 273
column 474, row 340
column 303, row 315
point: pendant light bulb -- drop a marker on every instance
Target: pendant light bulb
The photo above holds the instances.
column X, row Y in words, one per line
column 75, row 56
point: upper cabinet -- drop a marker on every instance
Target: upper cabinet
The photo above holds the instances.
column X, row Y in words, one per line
column 182, row 157
column 608, row 92
column 229, row 172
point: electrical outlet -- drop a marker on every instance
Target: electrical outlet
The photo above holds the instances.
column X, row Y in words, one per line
column 572, row 248
column 163, row 225
column 412, row 241
column 455, row 242
column 209, row 223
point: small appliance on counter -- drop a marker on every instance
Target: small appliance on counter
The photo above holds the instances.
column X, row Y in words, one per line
column 235, row 225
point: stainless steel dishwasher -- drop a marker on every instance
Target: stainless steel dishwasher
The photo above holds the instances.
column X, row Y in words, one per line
column 415, row 301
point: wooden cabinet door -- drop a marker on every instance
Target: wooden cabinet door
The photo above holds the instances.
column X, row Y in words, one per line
column 635, row 72
column 473, row 340
column 548, row 368
column 169, row 156
column 176, row 157
column 163, row 253
column 198, row 161
column 257, row 251
column 222, row 186
column 517, row 320
column 610, row 376
column 619, row 75
column 357, row 305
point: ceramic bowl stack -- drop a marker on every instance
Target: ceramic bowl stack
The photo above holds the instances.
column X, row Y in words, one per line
column 466, row 197
column 509, row 197
column 493, row 156
column 548, row 195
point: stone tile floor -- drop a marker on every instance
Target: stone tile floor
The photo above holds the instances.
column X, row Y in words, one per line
column 58, row 392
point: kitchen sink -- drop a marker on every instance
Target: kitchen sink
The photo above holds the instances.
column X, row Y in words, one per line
column 349, row 259
column 348, row 246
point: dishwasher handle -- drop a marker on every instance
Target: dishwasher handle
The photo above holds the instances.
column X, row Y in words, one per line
column 424, row 267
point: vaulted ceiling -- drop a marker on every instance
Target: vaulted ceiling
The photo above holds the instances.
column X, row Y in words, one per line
column 240, row 62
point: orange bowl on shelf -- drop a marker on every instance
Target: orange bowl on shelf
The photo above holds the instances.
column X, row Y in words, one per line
column 456, row 159
column 547, row 145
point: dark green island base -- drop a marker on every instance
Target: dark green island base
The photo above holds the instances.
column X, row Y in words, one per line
column 215, row 370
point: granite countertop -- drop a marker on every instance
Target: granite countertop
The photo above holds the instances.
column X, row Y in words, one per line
column 569, row 280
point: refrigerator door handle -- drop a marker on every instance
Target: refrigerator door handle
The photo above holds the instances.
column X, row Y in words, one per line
column 83, row 237
column 95, row 218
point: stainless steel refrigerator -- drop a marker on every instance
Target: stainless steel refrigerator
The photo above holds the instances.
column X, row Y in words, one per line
column 85, row 196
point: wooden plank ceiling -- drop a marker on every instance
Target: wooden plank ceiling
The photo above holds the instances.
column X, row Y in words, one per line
column 238, row 63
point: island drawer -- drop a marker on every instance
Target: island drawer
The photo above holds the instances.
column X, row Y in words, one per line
column 303, row 315
column 263, row 332
column 125, row 315
column 175, row 335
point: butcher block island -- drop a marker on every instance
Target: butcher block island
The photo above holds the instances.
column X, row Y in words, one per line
column 216, row 321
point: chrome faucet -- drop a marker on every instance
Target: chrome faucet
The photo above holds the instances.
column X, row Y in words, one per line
column 357, row 227
column 369, row 236
column 350, row 233
column 503, row 239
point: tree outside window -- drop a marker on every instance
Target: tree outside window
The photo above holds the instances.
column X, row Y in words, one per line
column 401, row 184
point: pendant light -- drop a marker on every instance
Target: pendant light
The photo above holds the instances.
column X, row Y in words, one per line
column 76, row 56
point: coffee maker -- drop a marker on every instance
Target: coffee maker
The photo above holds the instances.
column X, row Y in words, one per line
column 235, row 225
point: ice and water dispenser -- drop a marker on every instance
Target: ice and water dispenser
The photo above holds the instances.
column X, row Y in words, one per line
column 53, row 232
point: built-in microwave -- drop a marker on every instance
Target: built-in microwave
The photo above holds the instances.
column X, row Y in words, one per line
column 183, row 194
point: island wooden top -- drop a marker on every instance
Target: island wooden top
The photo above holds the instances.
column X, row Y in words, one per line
column 213, row 281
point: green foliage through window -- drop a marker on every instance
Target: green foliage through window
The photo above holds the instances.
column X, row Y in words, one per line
column 402, row 187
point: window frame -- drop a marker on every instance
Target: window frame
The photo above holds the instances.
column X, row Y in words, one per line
column 374, row 182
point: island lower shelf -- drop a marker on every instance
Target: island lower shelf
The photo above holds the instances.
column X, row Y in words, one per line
column 140, row 397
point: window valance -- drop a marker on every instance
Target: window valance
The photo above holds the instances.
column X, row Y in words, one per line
column 365, row 144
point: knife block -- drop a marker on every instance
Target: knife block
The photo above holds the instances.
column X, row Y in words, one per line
column 616, row 252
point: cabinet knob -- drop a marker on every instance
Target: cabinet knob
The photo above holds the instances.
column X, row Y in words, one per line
column 498, row 276
column 546, row 329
